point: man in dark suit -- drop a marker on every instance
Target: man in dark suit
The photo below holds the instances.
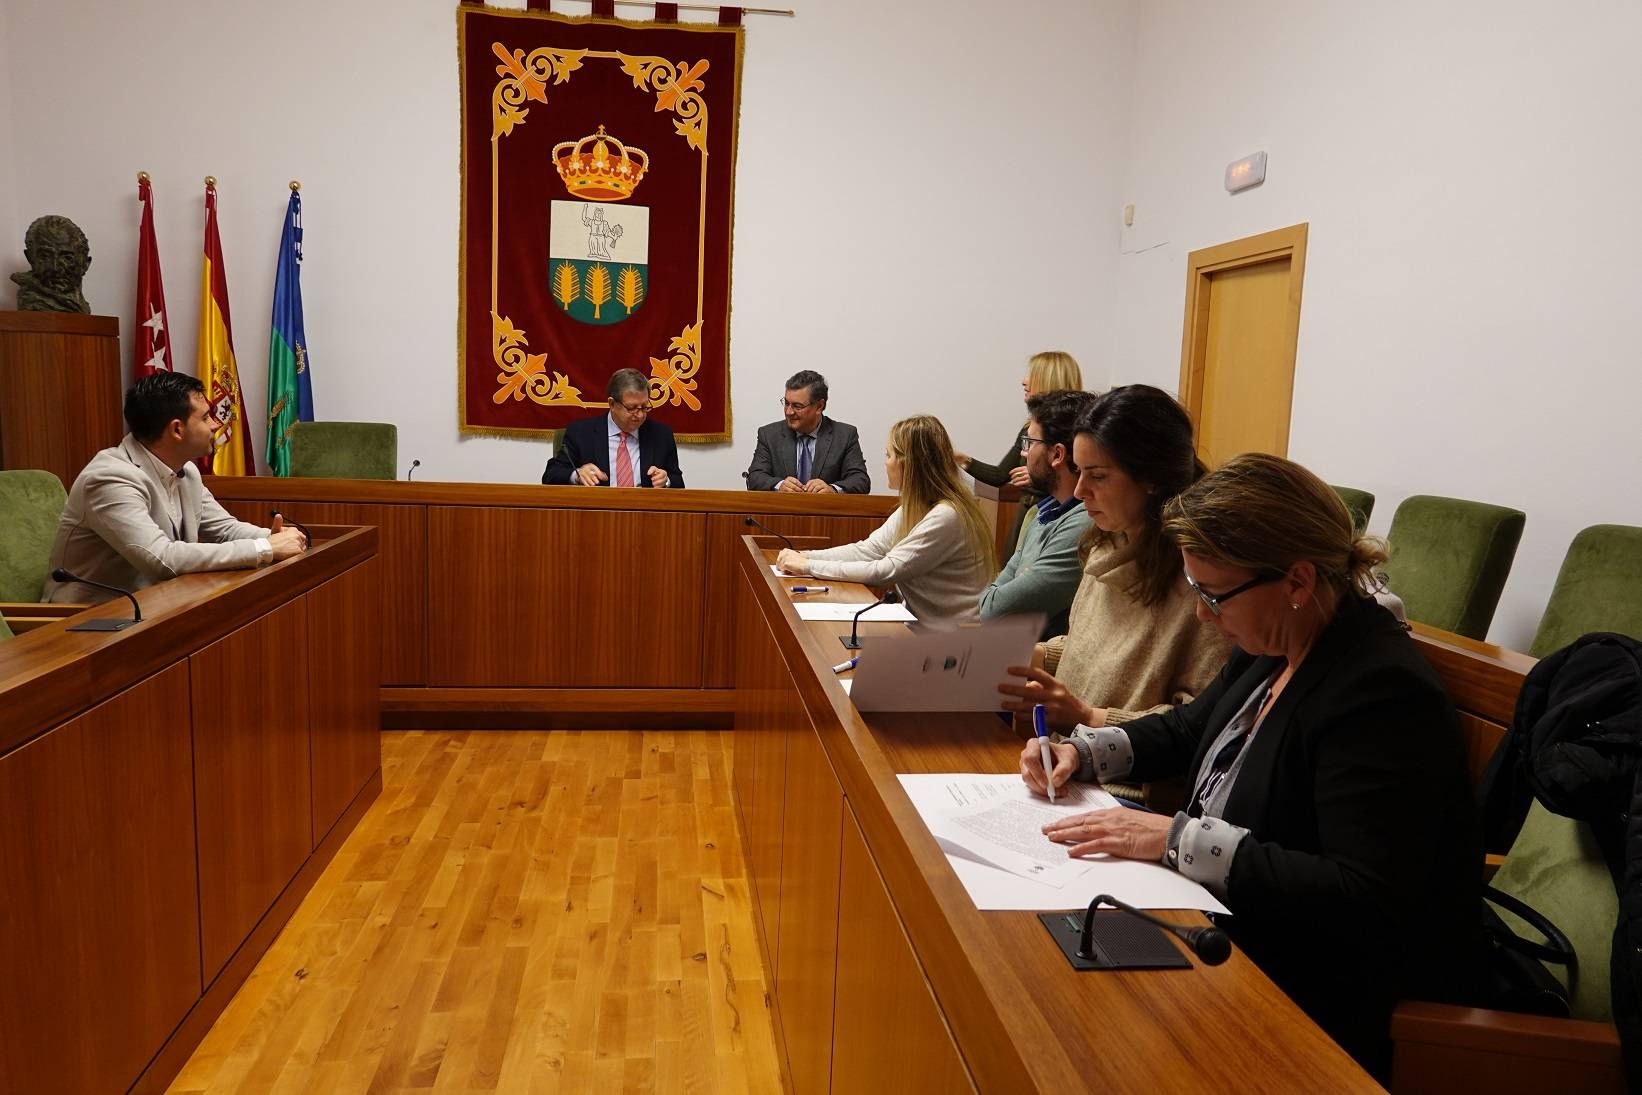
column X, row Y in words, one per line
column 808, row 451
column 623, row 448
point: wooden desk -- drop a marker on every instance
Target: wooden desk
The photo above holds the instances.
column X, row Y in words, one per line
column 505, row 605
column 884, row 975
column 168, row 794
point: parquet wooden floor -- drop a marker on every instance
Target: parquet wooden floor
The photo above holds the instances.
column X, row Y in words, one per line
column 518, row 912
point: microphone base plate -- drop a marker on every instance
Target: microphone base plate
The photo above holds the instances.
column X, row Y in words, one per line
column 1121, row 942
column 102, row 624
column 848, row 645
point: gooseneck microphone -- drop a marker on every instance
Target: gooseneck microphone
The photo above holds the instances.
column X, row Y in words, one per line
column 1209, row 944
column 101, row 623
column 753, row 521
column 853, row 643
column 412, row 471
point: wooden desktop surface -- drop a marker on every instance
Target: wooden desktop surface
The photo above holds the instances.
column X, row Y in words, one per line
column 906, row 985
column 168, row 793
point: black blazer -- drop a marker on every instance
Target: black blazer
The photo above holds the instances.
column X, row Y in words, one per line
column 837, row 460
column 1359, row 881
column 587, row 441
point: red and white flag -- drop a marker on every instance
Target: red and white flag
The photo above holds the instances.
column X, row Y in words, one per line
column 152, row 352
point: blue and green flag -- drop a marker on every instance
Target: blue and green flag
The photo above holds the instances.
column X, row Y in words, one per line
column 290, row 394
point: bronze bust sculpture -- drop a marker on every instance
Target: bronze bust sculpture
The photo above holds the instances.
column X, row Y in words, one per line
column 59, row 256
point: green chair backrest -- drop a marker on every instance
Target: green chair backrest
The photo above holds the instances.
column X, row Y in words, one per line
column 30, row 504
column 5, row 629
column 1449, row 560
column 1599, row 588
column 345, row 450
column 1556, row 868
column 1359, row 502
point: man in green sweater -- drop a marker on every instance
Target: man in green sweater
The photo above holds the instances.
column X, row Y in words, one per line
column 1043, row 574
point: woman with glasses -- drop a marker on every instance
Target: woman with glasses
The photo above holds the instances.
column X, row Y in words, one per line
column 1049, row 371
column 936, row 547
column 1132, row 645
column 1328, row 803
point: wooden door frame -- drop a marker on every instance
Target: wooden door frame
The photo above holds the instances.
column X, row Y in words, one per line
column 1202, row 265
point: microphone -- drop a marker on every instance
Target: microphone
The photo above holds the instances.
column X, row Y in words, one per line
column 414, row 465
column 854, row 643
column 760, row 524
column 1209, row 944
column 102, row 623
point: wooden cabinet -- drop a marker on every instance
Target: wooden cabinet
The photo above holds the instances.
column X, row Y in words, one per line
column 888, row 1032
column 251, row 774
column 99, row 928
column 59, row 390
column 345, row 738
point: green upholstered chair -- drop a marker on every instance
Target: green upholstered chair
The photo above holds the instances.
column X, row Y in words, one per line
column 345, row 450
column 30, row 504
column 1449, row 560
column 1599, row 588
column 5, row 629
column 1359, row 502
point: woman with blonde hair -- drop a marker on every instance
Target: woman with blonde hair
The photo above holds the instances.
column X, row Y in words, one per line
column 936, row 547
column 1047, row 371
column 1328, row 803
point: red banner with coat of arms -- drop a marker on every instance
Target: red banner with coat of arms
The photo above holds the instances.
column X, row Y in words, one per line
column 598, row 163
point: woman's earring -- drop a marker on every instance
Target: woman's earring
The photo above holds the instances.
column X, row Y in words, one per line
column 1294, row 606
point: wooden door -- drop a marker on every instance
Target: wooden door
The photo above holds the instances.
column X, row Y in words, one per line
column 1242, row 324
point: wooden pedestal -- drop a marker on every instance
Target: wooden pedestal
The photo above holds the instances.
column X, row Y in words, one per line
column 59, row 390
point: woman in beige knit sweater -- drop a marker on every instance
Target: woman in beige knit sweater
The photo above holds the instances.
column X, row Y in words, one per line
column 1134, row 644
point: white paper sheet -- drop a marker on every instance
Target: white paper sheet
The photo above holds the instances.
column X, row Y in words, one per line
column 848, row 683
column 1145, row 885
column 952, row 669
column 832, row 610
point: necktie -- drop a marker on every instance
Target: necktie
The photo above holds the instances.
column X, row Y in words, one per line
column 624, row 463
column 804, row 458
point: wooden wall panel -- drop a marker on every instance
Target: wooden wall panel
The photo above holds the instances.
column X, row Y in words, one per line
column 889, row 1034
column 251, row 774
column 402, row 562
column 571, row 598
column 724, row 532
column 59, row 390
column 344, row 660
column 99, row 928
column 808, row 954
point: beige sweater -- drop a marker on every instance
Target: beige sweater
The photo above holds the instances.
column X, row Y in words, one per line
column 1129, row 658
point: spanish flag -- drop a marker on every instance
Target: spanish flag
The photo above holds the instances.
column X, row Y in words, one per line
column 217, row 369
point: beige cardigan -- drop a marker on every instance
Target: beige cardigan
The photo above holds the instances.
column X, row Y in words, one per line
column 1129, row 658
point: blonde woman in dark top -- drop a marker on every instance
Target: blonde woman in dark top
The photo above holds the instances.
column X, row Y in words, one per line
column 1048, row 371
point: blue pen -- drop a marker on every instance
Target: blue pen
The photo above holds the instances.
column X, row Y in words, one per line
column 1041, row 725
column 845, row 667
column 809, row 589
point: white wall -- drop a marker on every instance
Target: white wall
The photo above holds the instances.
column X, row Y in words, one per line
column 11, row 232
column 1470, row 172
column 969, row 146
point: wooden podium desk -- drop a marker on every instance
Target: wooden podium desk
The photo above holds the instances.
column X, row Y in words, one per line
column 168, row 794
column 506, row 605
column 885, row 976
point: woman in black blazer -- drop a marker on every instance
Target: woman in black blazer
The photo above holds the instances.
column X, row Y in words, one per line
column 1328, row 803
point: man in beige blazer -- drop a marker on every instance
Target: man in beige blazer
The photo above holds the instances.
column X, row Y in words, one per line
column 139, row 514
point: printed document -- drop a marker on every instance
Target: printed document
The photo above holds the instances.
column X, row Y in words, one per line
column 957, row 669
column 1004, row 877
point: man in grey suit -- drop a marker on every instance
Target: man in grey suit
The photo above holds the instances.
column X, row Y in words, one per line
column 139, row 514
column 808, row 451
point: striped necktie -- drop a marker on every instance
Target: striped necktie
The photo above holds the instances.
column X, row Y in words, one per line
column 624, row 463
column 804, row 444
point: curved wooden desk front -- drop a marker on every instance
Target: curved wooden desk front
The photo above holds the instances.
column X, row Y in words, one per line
column 884, row 974
column 508, row 605
column 168, row 794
